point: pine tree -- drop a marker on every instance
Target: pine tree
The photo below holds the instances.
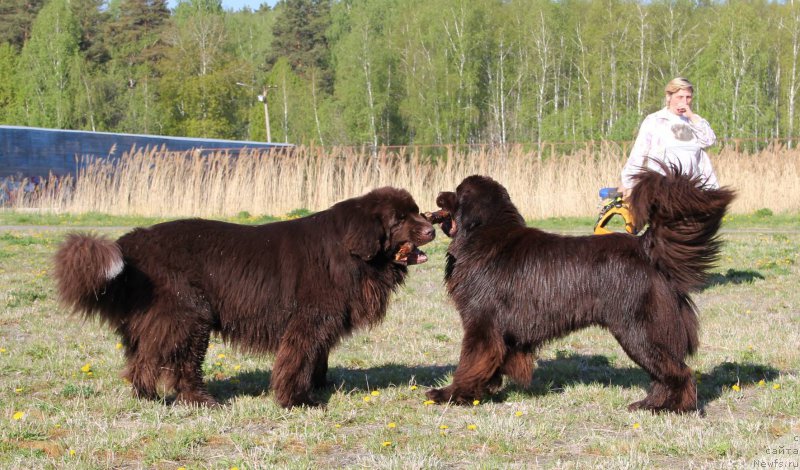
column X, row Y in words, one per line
column 16, row 20
column 299, row 36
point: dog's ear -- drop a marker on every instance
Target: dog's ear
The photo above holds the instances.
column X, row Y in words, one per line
column 470, row 212
column 447, row 201
column 364, row 235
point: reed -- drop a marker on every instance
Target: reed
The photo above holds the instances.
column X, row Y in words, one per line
column 167, row 184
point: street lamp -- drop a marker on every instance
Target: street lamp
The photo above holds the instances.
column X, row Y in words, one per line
column 263, row 98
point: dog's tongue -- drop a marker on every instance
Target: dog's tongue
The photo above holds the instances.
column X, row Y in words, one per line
column 416, row 257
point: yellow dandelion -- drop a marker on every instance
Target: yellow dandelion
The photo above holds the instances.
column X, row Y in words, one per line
column 217, row 363
column 89, row 374
column 375, row 393
column 337, row 425
column 220, row 356
column 367, row 398
column 237, row 367
column 181, row 468
column 428, row 402
column 761, row 383
column 518, row 413
column 18, row 390
column 386, row 443
column 210, row 346
column 413, row 387
column 118, row 346
column 72, row 452
column 736, row 387
column 2, row 350
column 776, row 386
column 476, row 403
column 86, row 368
column 234, row 468
column 747, row 312
column 636, row 425
column 391, row 425
column 444, row 426
column 18, row 416
column 472, row 427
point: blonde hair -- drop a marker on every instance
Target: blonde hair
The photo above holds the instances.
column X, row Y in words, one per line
column 675, row 85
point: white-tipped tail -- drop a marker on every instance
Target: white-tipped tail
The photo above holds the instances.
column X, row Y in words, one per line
column 115, row 268
column 84, row 265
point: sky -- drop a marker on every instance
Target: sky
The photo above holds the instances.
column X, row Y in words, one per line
column 235, row 4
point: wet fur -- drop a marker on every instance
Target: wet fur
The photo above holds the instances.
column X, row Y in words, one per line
column 517, row 287
column 293, row 288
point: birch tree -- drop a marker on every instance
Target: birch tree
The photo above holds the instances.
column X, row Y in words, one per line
column 46, row 66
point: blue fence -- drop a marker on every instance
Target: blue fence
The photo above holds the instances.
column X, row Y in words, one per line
column 31, row 151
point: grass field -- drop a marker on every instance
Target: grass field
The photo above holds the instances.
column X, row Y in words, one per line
column 62, row 403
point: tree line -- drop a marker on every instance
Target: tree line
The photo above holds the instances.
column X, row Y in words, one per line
column 396, row 72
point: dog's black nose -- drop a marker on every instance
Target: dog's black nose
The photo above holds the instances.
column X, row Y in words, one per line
column 429, row 232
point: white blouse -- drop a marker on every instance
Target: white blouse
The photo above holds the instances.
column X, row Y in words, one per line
column 674, row 140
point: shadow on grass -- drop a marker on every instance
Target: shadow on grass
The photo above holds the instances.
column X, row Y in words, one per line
column 551, row 376
column 733, row 276
column 554, row 375
column 256, row 383
column 710, row 385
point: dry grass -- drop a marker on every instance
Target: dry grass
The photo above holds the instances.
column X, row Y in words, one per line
column 151, row 183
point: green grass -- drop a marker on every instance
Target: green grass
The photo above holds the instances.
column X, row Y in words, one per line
column 92, row 219
column 763, row 219
column 59, row 375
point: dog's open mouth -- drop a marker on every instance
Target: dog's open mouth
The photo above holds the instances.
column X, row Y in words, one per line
column 409, row 254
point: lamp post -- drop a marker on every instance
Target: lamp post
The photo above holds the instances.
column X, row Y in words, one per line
column 263, row 98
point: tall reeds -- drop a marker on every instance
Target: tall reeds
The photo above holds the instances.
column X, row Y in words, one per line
column 158, row 183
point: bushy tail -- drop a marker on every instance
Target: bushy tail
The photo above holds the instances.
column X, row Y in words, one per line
column 84, row 267
column 684, row 219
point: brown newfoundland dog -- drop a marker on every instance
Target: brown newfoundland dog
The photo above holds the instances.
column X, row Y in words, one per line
column 294, row 288
column 517, row 287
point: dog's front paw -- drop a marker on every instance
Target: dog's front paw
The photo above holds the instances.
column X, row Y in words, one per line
column 638, row 405
column 439, row 395
column 647, row 405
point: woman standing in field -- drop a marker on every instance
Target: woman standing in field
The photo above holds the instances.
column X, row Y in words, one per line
column 675, row 135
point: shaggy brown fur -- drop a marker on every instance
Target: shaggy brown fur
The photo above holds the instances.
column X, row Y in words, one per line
column 294, row 288
column 517, row 287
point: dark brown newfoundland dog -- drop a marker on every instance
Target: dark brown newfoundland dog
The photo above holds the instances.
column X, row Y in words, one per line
column 294, row 288
column 517, row 287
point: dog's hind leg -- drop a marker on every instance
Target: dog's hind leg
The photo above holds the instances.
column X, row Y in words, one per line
column 673, row 387
column 482, row 354
column 167, row 345
column 188, row 370
column 143, row 376
column 142, row 368
column 319, row 378
column 518, row 365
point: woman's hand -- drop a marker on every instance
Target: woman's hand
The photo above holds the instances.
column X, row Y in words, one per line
column 687, row 111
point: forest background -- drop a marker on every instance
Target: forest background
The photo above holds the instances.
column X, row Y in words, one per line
column 397, row 72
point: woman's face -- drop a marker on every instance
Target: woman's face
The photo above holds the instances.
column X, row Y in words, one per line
column 680, row 101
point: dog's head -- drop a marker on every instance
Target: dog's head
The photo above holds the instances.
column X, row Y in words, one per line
column 478, row 200
column 387, row 222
